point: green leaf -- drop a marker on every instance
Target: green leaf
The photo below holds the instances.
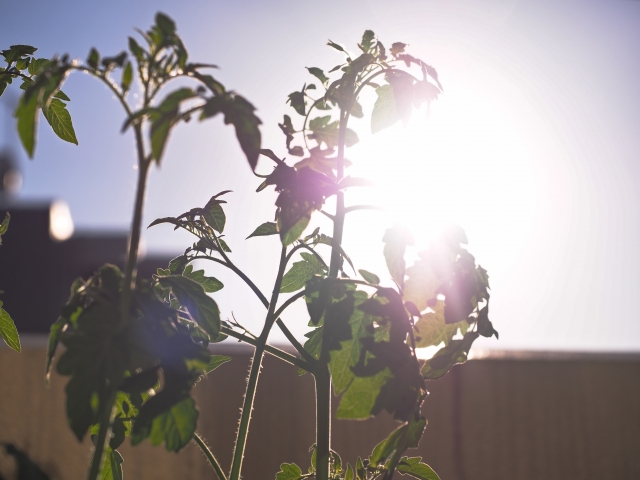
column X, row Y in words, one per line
column 127, row 77
column 397, row 48
column 8, row 330
column 112, row 467
column 367, row 41
column 178, row 265
column 349, row 475
column 431, row 328
column 313, row 345
column 403, row 437
column 175, row 427
column 210, row 284
column 384, row 110
column 266, row 229
column 395, row 242
column 27, row 115
column 23, row 63
column 356, row 110
column 485, row 327
column 165, row 23
column 297, row 101
column 136, row 49
column 297, row 151
column 359, row 399
column 214, row 215
column 414, row 467
column 454, row 353
column 319, row 74
column 269, row 153
column 60, row 120
column 336, row 465
column 292, row 234
column 52, row 345
column 215, row 362
column 93, row 60
column 17, row 51
column 240, row 113
column 342, row 360
column 336, row 46
column 421, row 285
column 118, row 60
column 159, row 133
column 3, row 83
column 300, row 272
column 5, row 225
column 164, row 117
column 192, row 296
column 369, row 277
column 62, row 96
column 323, row 131
column 224, row 246
column 361, row 473
column 36, row 66
column 289, row 471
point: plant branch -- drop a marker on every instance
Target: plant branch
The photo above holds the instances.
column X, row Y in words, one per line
column 304, row 245
column 362, row 207
column 207, row 453
column 297, row 345
column 103, row 434
column 256, row 363
column 328, row 215
column 288, row 302
column 283, row 328
column 109, row 84
column 230, row 265
column 276, row 352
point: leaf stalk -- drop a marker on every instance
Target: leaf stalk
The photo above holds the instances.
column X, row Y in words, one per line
column 207, row 453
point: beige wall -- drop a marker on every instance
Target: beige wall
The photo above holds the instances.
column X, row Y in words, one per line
column 511, row 417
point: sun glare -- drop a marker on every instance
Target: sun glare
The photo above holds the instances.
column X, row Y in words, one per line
column 462, row 162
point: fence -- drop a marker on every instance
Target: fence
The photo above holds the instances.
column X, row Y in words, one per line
column 504, row 416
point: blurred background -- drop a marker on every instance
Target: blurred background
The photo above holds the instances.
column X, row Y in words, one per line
column 533, row 149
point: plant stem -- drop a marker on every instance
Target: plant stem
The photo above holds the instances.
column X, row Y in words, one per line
column 338, row 221
column 323, row 420
column 103, row 433
column 323, row 374
column 207, row 453
column 136, row 225
column 256, row 364
column 247, row 407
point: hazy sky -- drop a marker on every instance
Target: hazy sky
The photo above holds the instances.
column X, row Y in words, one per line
column 533, row 148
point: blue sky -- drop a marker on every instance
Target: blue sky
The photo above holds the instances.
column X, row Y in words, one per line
column 533, row 149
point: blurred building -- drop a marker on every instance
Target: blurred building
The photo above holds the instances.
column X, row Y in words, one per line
column 41, row 255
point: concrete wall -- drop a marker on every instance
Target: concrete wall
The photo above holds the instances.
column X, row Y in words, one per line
column 509, row 416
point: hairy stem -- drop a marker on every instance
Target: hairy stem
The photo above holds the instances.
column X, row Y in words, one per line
column 136, row 225
column 256, row 363
column 103, row 434
column 323, row 421
column 323, row 375
column 207, row 453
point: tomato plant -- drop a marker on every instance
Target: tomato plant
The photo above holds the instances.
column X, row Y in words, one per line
column 135, row 347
